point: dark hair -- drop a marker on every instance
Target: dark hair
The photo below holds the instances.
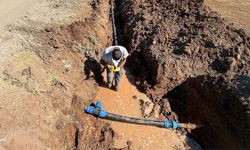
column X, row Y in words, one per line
column 116, row 53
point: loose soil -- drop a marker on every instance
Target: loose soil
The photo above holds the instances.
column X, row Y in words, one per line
column 173, row 42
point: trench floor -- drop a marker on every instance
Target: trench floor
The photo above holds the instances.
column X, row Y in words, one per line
column 140, row 136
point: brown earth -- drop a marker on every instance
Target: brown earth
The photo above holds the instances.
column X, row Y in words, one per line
column 235, row 11
column 49, row 53
column 128, row 101
column 173, row 42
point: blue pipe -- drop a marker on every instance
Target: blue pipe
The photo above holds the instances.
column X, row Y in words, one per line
column 98, row 111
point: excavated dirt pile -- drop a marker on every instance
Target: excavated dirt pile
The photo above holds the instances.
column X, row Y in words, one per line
column 183, row 45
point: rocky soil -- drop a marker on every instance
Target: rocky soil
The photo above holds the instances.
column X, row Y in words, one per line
column 48, row 73
column 184, row 45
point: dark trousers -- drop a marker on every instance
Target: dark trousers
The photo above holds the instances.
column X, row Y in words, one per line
column 111, row 76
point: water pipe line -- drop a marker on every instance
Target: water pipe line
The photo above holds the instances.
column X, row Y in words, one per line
column 115, row 42
column 98, row 111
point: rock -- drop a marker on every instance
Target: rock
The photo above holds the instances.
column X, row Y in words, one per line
column 238, row 39
column 237, row 57
column 227, row 46
column 231, row 63
column 48, row 29
column 187, row 50
column 210, row 44
column 247, row 52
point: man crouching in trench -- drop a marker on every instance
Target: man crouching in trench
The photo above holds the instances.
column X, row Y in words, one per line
column 113, row 60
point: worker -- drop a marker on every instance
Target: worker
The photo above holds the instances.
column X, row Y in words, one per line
column 113, row 60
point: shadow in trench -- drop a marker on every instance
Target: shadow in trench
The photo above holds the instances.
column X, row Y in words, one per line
column 92, row 69
column 221, row 106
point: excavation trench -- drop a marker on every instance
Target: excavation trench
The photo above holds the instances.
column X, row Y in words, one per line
column 171, row 45
column 128, row 101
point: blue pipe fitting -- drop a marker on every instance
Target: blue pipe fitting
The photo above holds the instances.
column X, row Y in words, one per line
column 167, row 124
column 175, row 125
column 90, row 109
column 102, row 113
column 98, row 104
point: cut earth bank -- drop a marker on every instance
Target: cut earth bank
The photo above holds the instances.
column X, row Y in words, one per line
column 191, row 57
column 48, row 53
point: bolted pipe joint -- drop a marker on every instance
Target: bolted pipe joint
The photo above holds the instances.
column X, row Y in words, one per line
column 96, row 110
column 90, row 109
column 169, row 124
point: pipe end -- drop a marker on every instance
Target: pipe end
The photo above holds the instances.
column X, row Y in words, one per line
column 89, row 109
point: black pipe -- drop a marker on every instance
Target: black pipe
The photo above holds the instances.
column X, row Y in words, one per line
column 113, row 23
column 134, row 120
column 97, row 110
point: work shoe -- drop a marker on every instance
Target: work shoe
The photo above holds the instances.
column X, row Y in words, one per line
column 116, row 88
column 110, row 85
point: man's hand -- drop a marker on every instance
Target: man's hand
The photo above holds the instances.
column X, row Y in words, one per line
column 114, row 68
column 103, row 65
column 103, row 69
column 122, row 62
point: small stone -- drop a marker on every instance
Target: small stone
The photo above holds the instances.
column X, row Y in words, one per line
column 227, row 46
column 154, row 42
column 210, row 44
column 231, row 63
column 238, row 39
column 237, row 57
column 134, row 97
column 247, row 52
column 187, row 50
column 48, row 29
column 55, row 46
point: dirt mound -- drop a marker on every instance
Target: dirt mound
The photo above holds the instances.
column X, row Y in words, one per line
column 175, row 41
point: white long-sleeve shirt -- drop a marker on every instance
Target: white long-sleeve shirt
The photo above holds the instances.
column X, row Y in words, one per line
column 107, row 55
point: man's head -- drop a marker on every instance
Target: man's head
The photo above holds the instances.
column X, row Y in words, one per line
column 116, row 53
